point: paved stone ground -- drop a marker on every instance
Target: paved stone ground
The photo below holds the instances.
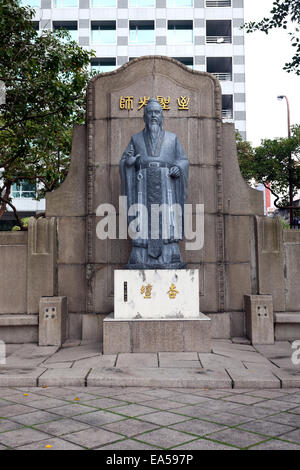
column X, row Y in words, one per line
column 230, row 364
column 138, row 418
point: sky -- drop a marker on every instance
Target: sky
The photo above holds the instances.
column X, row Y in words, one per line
column 265, row 79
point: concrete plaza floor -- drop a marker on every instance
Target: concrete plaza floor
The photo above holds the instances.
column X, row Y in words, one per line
column 230, row 364
column 235, row 397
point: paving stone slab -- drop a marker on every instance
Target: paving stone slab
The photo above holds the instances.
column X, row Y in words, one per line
column 203, row 444
column 51, row 444
column 275, row 444
column 216, row 361
column 61, row 426
column 75, row 353
column 130, row 427
column 165, row 438
column 30, row 355
column 14, row 410
column 97, row 361
column 167, row 377
column 163, row 418
column 254, row 411
column 36, row 417
column 65, row 377
column 137, row 360
column 230, row 419
column 22, row 377
column 278, row 405
column 285, row 363
column 132, row 410
column 186, row 360
column 197, row 427
column 127, row 444
column 7, row 425
column 243, row 399
column 288, row 377
column 92, row 437
column 200, row 412
column 237, row 437
column 253, row 378
column 60, row 365
column 98, row 418
column 72, row 410
column 293, row 436
column 163, row 404
column 266, row 428
column 21, row 437
column 104, row 403
column 285, row 418
column 244, row 356
column 276, row 350
column 132, row 397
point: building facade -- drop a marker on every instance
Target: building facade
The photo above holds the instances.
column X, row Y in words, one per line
column 205, row 35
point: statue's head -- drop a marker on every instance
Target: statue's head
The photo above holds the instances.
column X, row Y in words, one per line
column 153, row 115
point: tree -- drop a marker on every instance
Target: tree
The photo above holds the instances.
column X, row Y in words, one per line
column 281, row 13
column 45, row 77
column 275, row 164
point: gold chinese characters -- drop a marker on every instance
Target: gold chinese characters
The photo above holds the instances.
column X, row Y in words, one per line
column 127, row 102
column 172, row 291
column 146, row 291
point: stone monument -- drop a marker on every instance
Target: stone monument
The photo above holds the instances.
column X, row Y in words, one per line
column 156, row 287
column 154, row 171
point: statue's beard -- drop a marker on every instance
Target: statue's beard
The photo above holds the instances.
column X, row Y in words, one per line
column 154, row 128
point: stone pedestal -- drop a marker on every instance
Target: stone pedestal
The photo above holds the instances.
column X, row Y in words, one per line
column 52, row 321
column 259, row 319
column 156, row 310
column 156, row 293
column 160, row 335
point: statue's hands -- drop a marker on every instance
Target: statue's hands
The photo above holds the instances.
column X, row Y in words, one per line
column 131, row 159
column 174, row 171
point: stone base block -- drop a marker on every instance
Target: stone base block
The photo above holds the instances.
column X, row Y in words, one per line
column 259, row 318
column 152, row 336
column 52, row 321
column 16, row 329
column 287, row 326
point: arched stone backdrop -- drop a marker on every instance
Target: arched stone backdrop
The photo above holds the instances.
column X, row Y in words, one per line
column 85, row 263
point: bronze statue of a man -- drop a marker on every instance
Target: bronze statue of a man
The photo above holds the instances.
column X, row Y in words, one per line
column 154, row 173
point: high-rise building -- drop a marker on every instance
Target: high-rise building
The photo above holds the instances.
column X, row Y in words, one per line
column 205, row 35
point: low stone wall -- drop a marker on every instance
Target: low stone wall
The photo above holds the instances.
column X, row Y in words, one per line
column 27, row 273
column 13, row 272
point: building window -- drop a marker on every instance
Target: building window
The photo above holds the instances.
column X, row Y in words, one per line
column 218, row 31
column 180, row 3
column 103, row 32
column 36, row 25
column 141, row 32
column 103, row 3
column 106, row 64
column 218, row 3
column 141, row 3
column 180, row 32
column 70, row 26
column 65, row 3
column 227, row 107
column 24, row 188
column 220, row 67
column 188, row 61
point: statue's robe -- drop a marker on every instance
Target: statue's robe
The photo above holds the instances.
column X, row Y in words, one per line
column 148, row 182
